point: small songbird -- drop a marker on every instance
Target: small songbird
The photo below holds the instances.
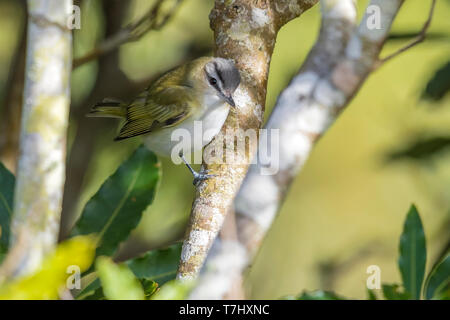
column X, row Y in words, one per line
column 200, row 90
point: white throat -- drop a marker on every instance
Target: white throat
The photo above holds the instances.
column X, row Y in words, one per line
column 214, row 116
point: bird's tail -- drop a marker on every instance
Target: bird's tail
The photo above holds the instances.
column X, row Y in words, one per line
column 109, row 108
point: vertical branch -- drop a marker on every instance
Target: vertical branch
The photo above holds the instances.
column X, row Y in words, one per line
column 41, row 166
column 334, row 70
column 244, row 31
column 10, row 122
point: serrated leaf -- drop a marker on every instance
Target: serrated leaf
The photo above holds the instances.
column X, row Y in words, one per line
column 394, row 292
column 7, row 181
column 118, row 282
column 116, row 209
column 47, row 282
column 157, row 265
column 413, row 254
column 438, row 280
column 319, row 295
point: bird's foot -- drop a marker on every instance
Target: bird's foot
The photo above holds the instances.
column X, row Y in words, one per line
column 201, row 176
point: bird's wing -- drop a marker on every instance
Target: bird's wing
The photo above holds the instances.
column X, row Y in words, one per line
column 156, row 109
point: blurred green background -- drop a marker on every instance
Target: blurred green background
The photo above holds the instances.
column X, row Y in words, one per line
column 344, row 211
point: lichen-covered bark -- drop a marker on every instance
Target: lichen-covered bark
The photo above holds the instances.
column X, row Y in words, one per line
column 41, row 166
column 336, row 67
column 245, row 31
column 331, row 75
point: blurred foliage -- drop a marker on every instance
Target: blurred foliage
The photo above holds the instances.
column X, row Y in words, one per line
column 7, row 182
column 157, row 266
column 411, row 263
column 439, row 85
column 315, row 295
column 174, row 290
column 13, row 22
column 438, row 281
column 118, row 282
column 84, row 40
column 50, row 280
column 422, row 149
column 394, row 292
column 111, row 215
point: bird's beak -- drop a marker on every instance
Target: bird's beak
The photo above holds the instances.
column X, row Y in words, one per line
column 229, row 99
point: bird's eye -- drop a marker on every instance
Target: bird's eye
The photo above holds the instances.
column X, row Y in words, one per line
column 212, row 81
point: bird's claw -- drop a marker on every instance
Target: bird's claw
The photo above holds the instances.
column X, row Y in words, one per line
column 201, row 176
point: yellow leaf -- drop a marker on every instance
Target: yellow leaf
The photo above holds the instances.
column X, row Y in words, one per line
column 47, row 282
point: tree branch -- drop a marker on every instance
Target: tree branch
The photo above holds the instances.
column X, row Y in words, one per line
column 335, row 69
column 418, row 39
column 244, row 31
column 41, row 166
column 132, row 32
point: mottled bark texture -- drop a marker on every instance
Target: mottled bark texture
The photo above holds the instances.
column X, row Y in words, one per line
column 41, row 166
column 342, row 58
column 245, row 31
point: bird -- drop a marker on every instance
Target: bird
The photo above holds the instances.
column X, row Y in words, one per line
column 198, row 91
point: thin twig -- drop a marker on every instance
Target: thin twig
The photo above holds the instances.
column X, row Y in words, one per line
column 132, row 32
column 418, row 39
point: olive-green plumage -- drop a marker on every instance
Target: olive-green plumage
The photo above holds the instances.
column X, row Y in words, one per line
column 198, row 91
column 169, row 100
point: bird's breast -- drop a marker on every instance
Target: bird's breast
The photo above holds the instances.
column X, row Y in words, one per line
column 213, row 120
column 193, row 133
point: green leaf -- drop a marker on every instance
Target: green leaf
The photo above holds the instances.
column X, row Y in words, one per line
column 394, row 292
column 96, row 294
column 47, row 282
column 413, row 254
column 116, row 209
column 443, row 295
column 438, row 280
column 319, row 295
column 157, row 265
column 7, row 182
column 439, row 84
column 91, row 289
column 371, row 295
column 421, row 150
column 149, row 286
column 174, row 290
column 118, row 282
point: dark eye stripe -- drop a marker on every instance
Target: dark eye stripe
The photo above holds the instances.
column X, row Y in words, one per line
column 219, row 75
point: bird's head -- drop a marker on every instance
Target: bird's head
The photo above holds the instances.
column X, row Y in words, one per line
column 222, row 77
